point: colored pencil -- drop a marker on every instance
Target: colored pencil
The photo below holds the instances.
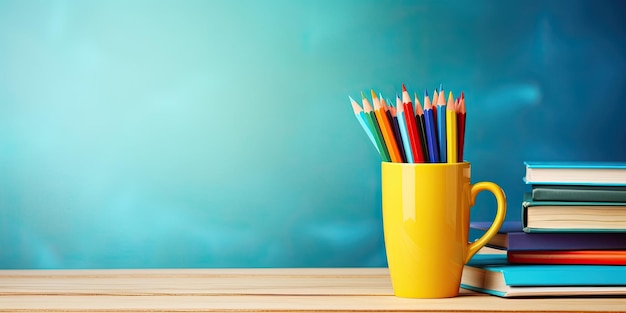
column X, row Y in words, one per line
column 451, row 130
column 360, row 116
column 406, row 132
column 393, row 118
column 421, row 128
column 431, row 135
column 441, row 126
column 434, row 102
column 373, row 123
column 386, row 130
column 403, row 130
column 409, row 116
column 461, row 126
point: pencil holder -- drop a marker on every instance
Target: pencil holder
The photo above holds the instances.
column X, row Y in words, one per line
column 426, row 214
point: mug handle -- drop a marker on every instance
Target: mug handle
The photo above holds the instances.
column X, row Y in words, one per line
column 498, row 220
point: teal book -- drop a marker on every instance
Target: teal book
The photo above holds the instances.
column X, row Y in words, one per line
column 492, row 274
column 576, row 173
column 578, row 193
column 560, row 216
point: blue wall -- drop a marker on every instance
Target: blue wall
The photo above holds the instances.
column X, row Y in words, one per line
column 219, row 133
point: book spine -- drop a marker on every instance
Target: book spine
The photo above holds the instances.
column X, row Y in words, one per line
column 519, row 241
column 548, row 194
column 602, row 224
column 567, row 257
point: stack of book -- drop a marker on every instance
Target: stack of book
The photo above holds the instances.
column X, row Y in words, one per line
column 575, row 197
column 571, row 239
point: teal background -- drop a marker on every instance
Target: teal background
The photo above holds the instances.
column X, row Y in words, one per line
column 219, row 133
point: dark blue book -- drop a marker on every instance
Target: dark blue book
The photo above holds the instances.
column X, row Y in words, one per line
column 512, row 238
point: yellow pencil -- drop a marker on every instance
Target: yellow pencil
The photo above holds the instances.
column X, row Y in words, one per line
column 451, row 135
column 385, row 128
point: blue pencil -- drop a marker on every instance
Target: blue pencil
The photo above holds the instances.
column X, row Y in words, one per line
column 431, row 136
column 360, row 116
column 441, row 126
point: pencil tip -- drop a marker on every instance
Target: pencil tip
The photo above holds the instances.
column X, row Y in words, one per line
column 425, row 92
column 373, row 94
column 462, row 95
column 403, row 87
column 440, row 87
column 351, row 100
column 363, row 95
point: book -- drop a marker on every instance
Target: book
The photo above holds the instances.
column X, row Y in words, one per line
column 522, row 241
column 512, row 238
column 492, row 274
column 500, row 239
column 578, row 193
column 558, row 216
column 581, row 257
column 576, row 173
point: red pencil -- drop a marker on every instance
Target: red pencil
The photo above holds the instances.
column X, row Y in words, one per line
column 409, row 115
column 421, row 127
column 460, row 119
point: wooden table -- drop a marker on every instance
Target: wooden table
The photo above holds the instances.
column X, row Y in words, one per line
column 247, row 290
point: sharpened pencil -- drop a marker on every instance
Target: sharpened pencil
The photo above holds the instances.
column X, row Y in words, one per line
column 421, row 128
column 409, row 116
column 407, row 132
column 434, row 103
column 441, row 127
column 403, row 130
column 461, row 126
column 393, row 118
column 451, row 130
column 360, row 116
column 373, row 123
column 431, row 135
column 386, row 130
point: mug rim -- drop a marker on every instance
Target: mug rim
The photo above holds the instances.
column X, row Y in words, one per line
column 425, row 164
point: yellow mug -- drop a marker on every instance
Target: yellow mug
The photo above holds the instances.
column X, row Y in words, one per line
column 426, row 215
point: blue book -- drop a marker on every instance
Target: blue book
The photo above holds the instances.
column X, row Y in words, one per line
column 510, row 237
column 490, row 273
column 575, row 173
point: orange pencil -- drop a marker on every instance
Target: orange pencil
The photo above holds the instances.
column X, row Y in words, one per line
column 395, row 128
column 386, row 129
